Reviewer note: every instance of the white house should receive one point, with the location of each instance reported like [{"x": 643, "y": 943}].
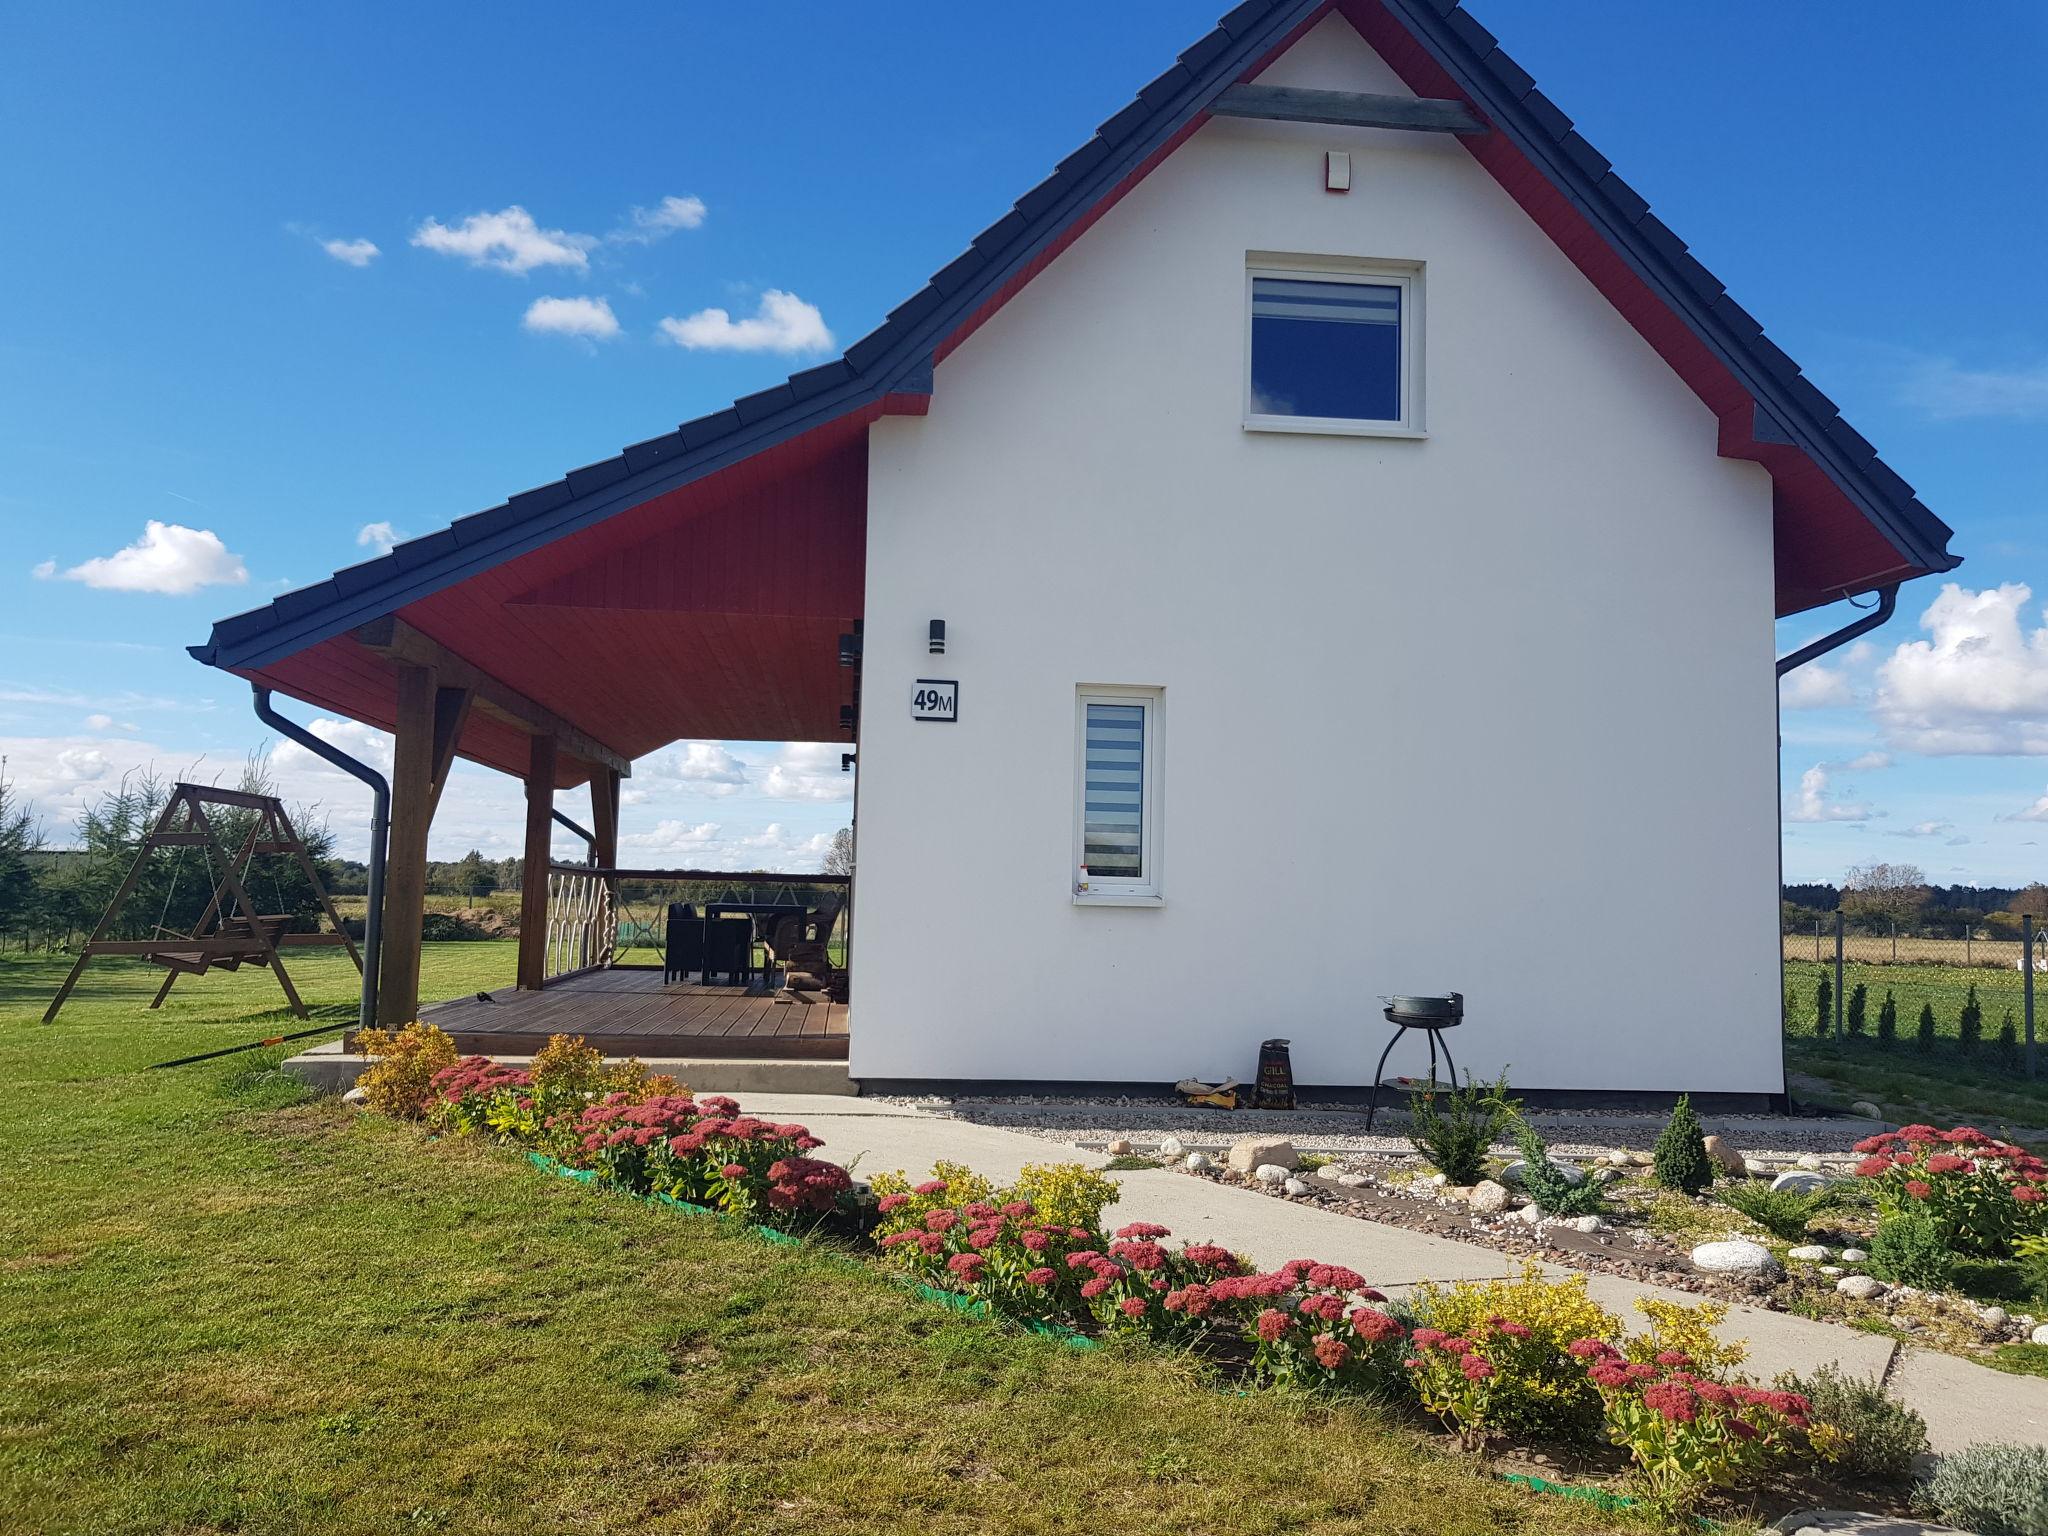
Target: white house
[{"x": 1356, "y": 526}]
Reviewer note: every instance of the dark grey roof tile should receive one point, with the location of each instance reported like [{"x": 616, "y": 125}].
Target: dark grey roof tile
[
  {"x": 1549, "y": 121},
  {"x": 1627, "y": 201}
]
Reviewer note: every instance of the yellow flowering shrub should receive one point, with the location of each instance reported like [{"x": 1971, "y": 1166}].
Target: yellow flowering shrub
[
  {"x": 1065, "y": 1194},
  {"x": 1538, "y": 1386},
  {"x": 951, "y": 1185},
  {"x": 400, "y": 1081},
  {"x": 1690, "y": 1331},
  {"x": 567, "y": 1065}
]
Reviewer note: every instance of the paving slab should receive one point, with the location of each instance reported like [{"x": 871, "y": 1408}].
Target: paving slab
[{"x": 1965, "y": 1403}]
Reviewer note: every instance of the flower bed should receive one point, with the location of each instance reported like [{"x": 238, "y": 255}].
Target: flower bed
[{"x": 1520, "y": 1360}]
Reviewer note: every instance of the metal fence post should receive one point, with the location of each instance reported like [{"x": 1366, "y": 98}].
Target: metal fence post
[
  {"x": 1816, "y": 941},
  {"x": 1895, "y": 941},
  {"x": 1968, "y": 934},
  {"x": 1836, "y": 1035},
  {"x": 2027, "y": 967}
]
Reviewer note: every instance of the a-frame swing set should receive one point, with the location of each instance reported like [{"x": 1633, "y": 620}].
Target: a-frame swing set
[{"x": 231, "y": 931}]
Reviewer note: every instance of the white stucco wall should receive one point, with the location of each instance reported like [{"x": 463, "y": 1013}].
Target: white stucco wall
[{"x": 1492, "y": 711}]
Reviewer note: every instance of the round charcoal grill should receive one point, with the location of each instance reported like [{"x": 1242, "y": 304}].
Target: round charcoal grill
[{"x": 1430, "y": 1014}]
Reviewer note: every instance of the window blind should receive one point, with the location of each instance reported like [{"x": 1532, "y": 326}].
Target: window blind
[{"x": 1113, "y": 792}]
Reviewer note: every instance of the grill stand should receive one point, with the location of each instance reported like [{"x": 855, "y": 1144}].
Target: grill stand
[{"x": 1401, "y": 1027}]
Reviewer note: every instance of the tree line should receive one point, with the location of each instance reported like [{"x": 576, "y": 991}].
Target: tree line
[{"x": 1882, "y": 898}]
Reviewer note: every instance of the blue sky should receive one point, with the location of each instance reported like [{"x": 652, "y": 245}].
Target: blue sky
[{"x": 182, "y": 346}]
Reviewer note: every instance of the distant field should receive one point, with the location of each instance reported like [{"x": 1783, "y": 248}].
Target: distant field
[
  {"x": 1987, "y": 954},
  {"x": 1944, "y": 987}
]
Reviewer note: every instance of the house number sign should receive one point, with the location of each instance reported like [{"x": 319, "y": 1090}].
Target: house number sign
[{"x": 935, "y": 698}]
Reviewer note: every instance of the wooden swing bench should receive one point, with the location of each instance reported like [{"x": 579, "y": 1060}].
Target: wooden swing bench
[{"x": 231, "y": 932}]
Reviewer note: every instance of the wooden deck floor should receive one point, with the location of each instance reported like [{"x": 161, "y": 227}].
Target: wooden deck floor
[{"x": 630, "y": 1013}]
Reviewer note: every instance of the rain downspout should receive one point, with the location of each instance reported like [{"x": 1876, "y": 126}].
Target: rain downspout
[{"x": 380, "y": 829}]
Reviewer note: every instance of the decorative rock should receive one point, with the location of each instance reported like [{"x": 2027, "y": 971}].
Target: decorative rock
[
  {"x": 1353, "y": 1180},
  {"x": 1263, "y": 1152},
  {"x": 1993, "y": 1317},
  {"x": 355, "y": 1096},
  {"x": 1799, "y": 1181},
  {"x": 1172, "y": 1146},
  {"x": 1457, "y": 1191},
  {"x": 1757, "y": 1170},
  {"x": 1735, "y": 1256},
  {"x": 1270, "y": 1173},
  {"x": 1832, "y": 1270},
  {"x": 1118, "y": 1148},
  {"x": 1528, "y": 1213},
  {"x": 2040, "y": 1334},
  {"x": 1855, "y": 1256},
  {"x": 1586, "y": 1224},
  {"x": 1866, "y": 1109},
  {"x": 1617, "y": 1160},
  {"x": 1860, "y": 1287},
  {"x": 1489, "y": 1197},
  {"x": 1810, "y": 1253},
  {"x": 1436, "y": 1181},
  {"x": 1641, "y": 1160},
  {"x": 1200, "y": 1162},
  {"x": 1606, "y": 1175},
  {"x": 1295, "y": 1187},
  {"x": 1723, "y": 1156},
  {"x": 1810, "y": 1160},
  {"x": 1512, "y": 1174},
  {"x": 1849, "y": 1522}
]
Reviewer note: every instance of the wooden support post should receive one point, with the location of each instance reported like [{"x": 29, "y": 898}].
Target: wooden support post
[
  {"x": 604, "y": 817},
  {"x": 533, "y": 879},
  {"x": 405, "y": 870}
]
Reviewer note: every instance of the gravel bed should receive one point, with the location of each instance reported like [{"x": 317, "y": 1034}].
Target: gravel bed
[{"x": 1340, "y": 1128}]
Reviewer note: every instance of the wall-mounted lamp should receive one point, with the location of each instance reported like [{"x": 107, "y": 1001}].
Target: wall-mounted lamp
[
  {"x": 846, "y": 718},
  {"x": 849, "y": 649},
  {"x": 938, "y": 637},
  {"x": 846, "y": 762}
]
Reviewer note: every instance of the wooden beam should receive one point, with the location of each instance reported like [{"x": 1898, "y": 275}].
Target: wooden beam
[
  {"x": 1349, "y": 109},
  {"x": 533, "y": 878},
  {"x": 451, "y": 709},
  {"x": 395, "y": 640},
  {"x": 405, "y": 869},
  {"x": 604, "y": 818}
]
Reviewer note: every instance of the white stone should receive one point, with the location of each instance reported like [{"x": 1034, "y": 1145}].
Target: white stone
[
  {"x": 1755, "y": 1169},
  {"x": 1118, "y": 1148},
  {"x": 1353, "y": 1180},
  {"x": 1860, "y": 1287},
  {"x": 1616, "y": 1160},
  {"x": 1800, "y": 1181},
  {"x": 1262, "y": 1152},
  {"x": 1993, "y": 1317},
  {"x": 1605, "y": 1175},
  {"x": 1735, "y": 1256},
  {"x": 1529, "y": 1213},
  {"x": 1270, "y": 1173},
  {"x": 1866, "y": 1109},
  {"x": 1200, "y": 1162},
  {"x": 1810, "y": 1253},
  {"x": 1641, "y": 1159},
  {"x": 1855, "y": 1256},
  {"x": 355, "y": 1096},
  {"x": 1295, "y": 1187},
  {"x": 2040, "y": 1334},
  {"x": 1586, "y": 1224},
  {"x": 1832, "y": 1270},
  {"x": 1172, "y": 1146},
  {"x": 1809, "y": 1160},
  {"x": 1489, "y": 1197}
]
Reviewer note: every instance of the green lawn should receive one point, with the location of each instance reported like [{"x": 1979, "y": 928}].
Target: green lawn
[{"x": 226, "y": 1307}]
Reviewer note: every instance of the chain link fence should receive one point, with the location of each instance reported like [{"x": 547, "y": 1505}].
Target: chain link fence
[{"x": 1957, "y": 992}]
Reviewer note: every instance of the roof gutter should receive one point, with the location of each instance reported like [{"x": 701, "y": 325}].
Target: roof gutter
[
  {"x": 380, "y": 829},
  {"x": 1887, "y": 604}
]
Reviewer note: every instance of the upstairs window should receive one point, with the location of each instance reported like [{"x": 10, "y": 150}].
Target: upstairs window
[
  {"x": 1333, "y": 351},
  {"x": 1117, "y": 832}
]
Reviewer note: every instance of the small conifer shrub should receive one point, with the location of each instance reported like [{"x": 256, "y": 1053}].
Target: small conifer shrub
[
  {"x": 1888, "y": 1021},
  {"x": 2009, "y": 1043},
  {"x": 1679, "y": 1160},
  {"x": 1823, "y": 1006},
  {"x": 1859, "y": 1001},
  {"x": 1923, "y": 1037},
  {"x": 1970, "y": 1022}
]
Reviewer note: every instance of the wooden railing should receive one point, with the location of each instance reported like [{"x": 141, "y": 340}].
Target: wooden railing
[{"x": 600, "y": 917}]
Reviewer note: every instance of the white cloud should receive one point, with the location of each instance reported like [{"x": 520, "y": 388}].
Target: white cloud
[
  {"x": 1980, "y": 685},
  {"x": 782, "y": 323},
  {"x": 1925, "y": 829},
  {"x": 591, "y": 319},
  {"x": 353, "y": 253},
  {"x": 1947, "y": 391},
  {"x": 508, "y": 240},
  {"x": 381, "y": 537},
  {"x": 1813, "y": 805},
  {"x": 806, "y": 770},
  {"x": 644, "y": 226},
  {"x": 109, "y": 723},
  {"x": 706, "y": 767},
  {"x": 2038, "y": 811},
  {"x": 1869, "y": 762},
  {"x": 352, "y": 736},
  {"x": 168, "y": 558},
  {"x": 1814, "y": 686}
]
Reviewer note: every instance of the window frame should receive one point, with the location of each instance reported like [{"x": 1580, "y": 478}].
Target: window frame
[
  {"x": 1406, "y": 276},
  {"x": 1149, "y": 888}
]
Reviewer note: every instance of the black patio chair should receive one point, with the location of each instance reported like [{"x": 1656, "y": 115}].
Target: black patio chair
[
  {"x": 729, "y": 949},
  {"x": 683, "y": 946}
]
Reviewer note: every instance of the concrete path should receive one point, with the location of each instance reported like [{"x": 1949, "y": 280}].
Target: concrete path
[{"x": 1963, "y": 1402}]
